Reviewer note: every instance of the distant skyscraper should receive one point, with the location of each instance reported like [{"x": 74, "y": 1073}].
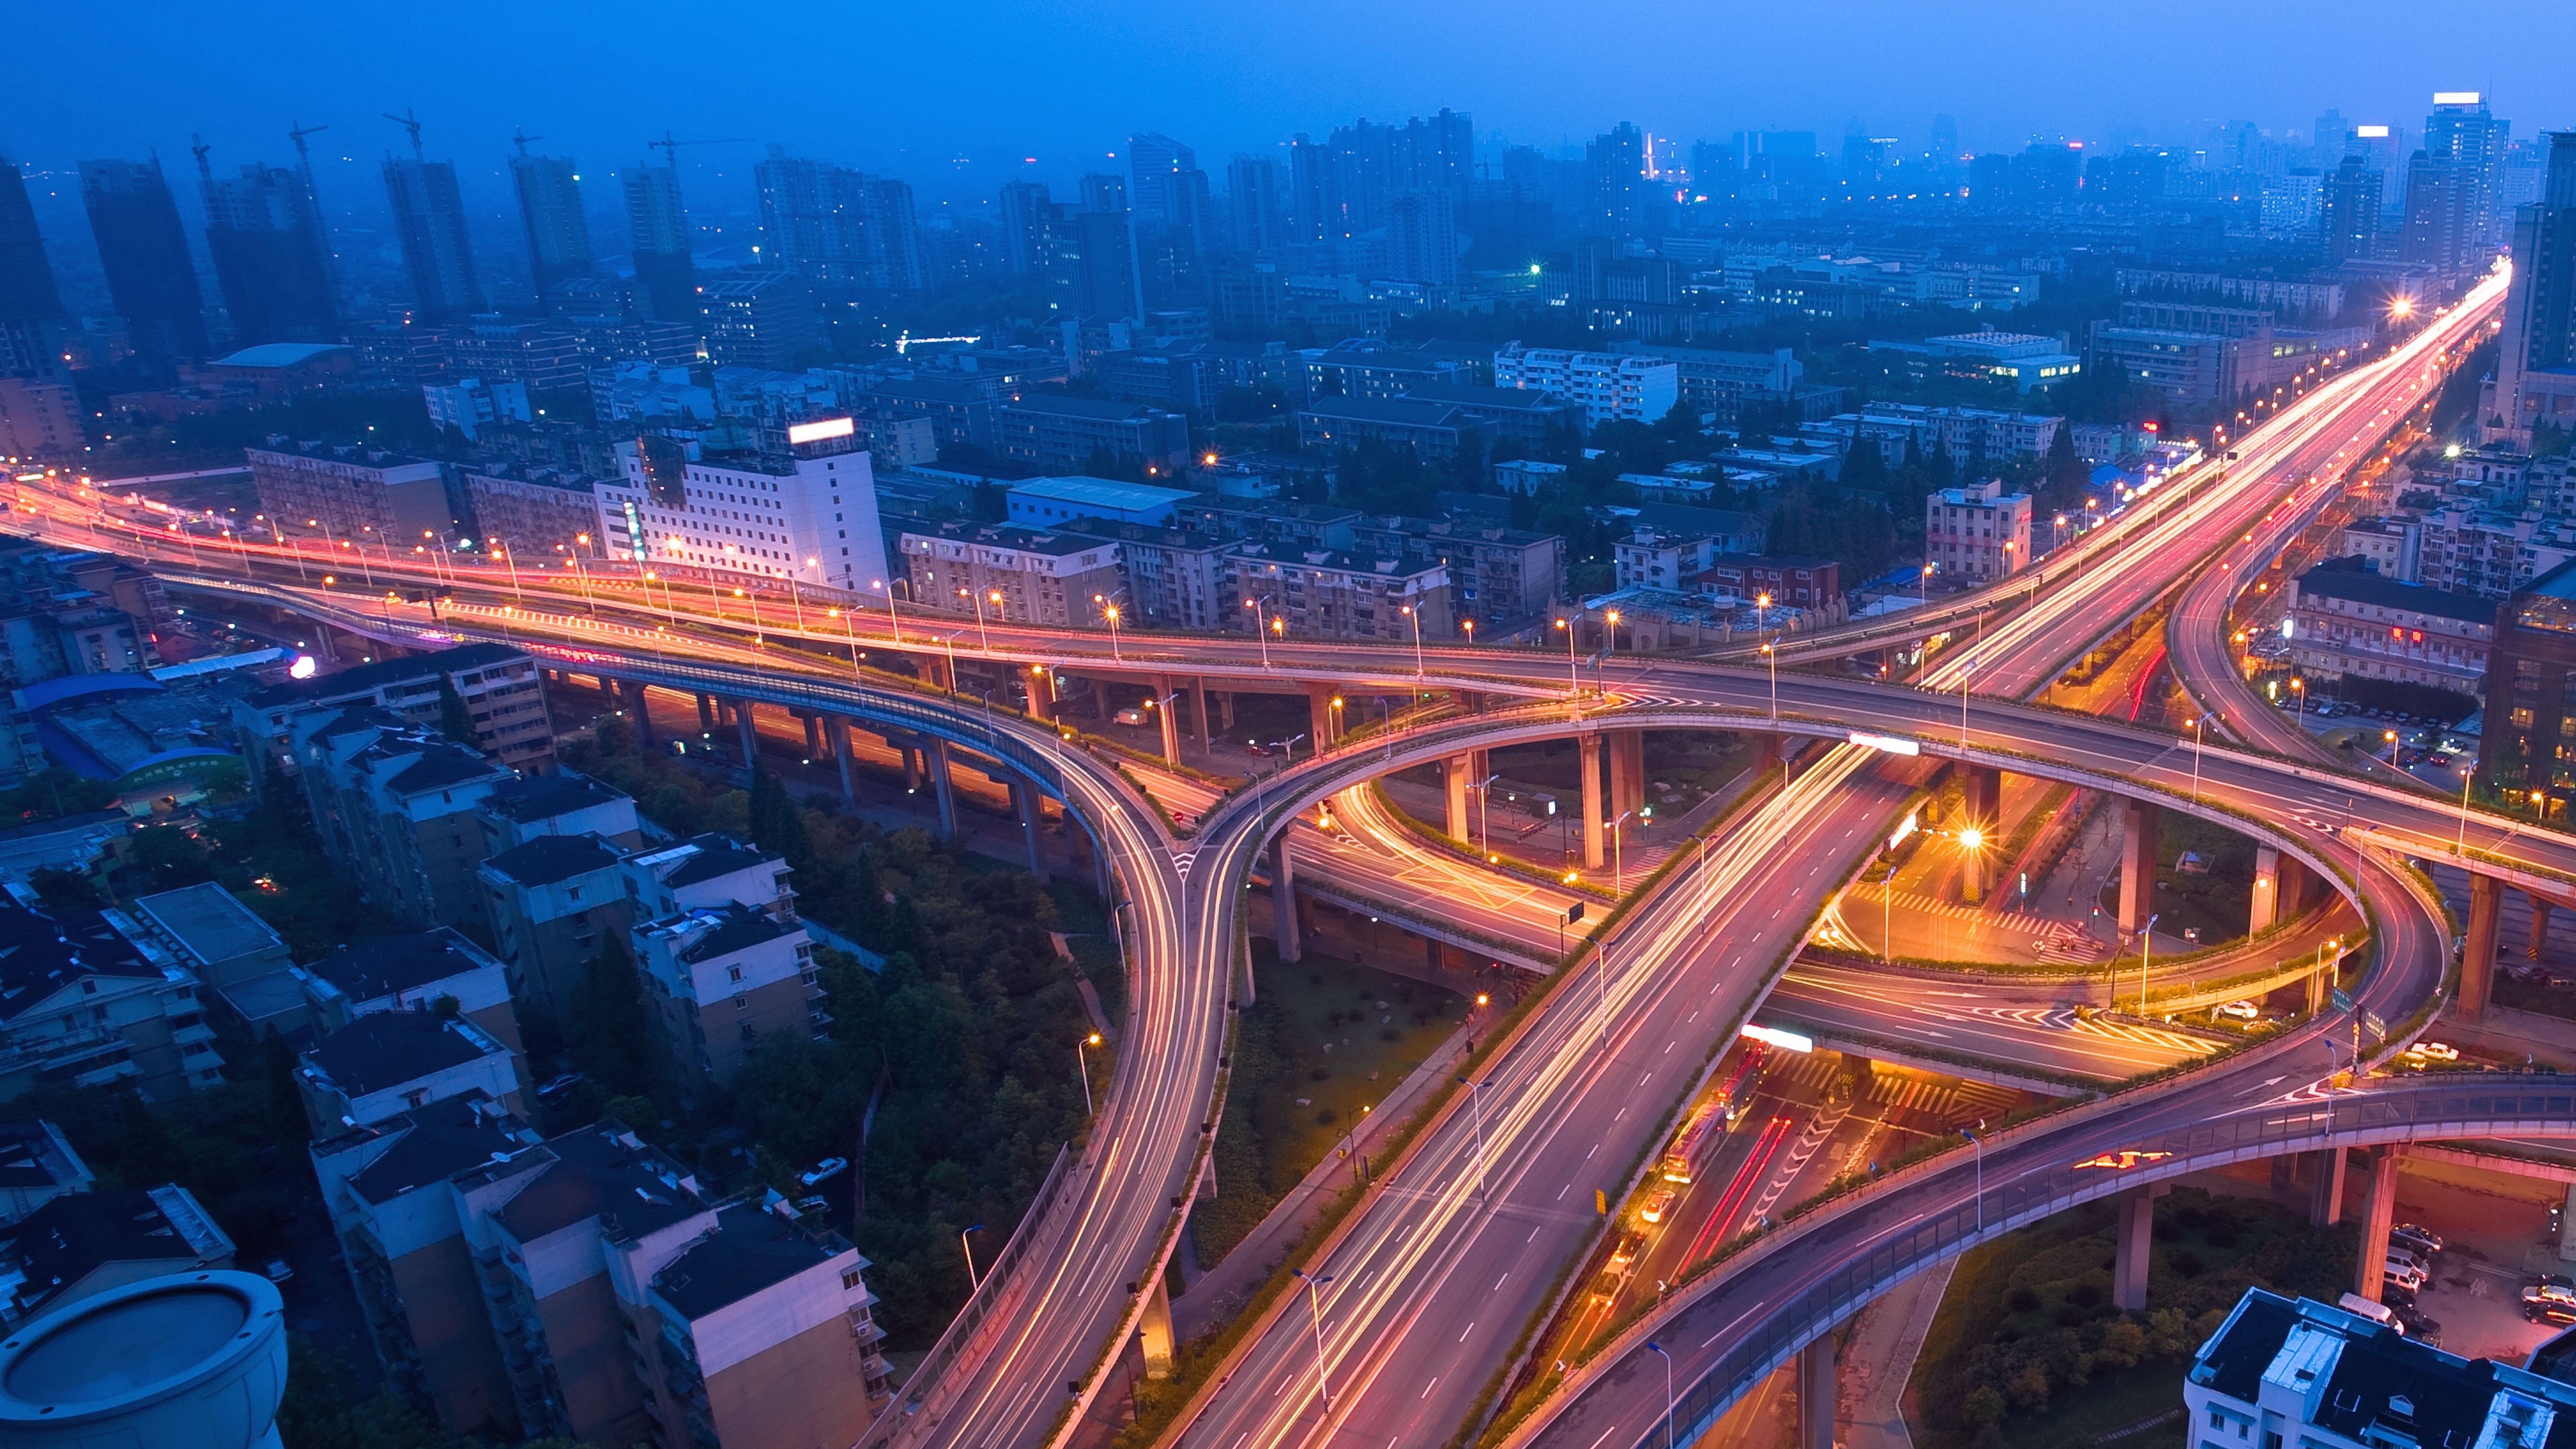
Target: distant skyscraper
[
  {"x": 429, "y": 221},
  {"x": 2536, "y": 364},
  {"x": 1252, "y": 204},
  {"x": 2438, "y": 229},
  {"x": 1944, "y": 147},
  {"x": 264, "y": 232},
  {"x": 2332, "y": 131},
  {"x": 2461, "y": 133},
  {"x": 1027, "y": 210},
  {"x": 664, "y": 272},
  {"x": 1102, "y": 191},
  {"x": 1422, "y": 237},
  {"x": 1092, "y": 266},
  {"x": 550, "y": 214},
  {"x": 830, "y": 224},
  {"x": 145, "y": 255},
  {"x": 31, "y": 310},
  {"x": 2348, "y": 209},
  {"x": 1434, "y": 152},
  {"x": 1154, "y": 166},
  {"x": 1615, "y": 168}
]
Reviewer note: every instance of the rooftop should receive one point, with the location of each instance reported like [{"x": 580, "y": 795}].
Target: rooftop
[
  {"x": 707, "y": 857},
  {"x": 543, "y": 797},
  {"x": 751, "y": 1248},
  {"x": 377, "y": 967},
  {"x": 1410, "y": 412},
  {"x": 550, "y": 859},
  {"x": 1083, "y": 407},
  {"x": 2354, "y": 586},
  {"x": 209, "y": 922},
  {"x": 601, "y": 1171},
  {"x": 388, "y": 1048},
  {"x": 41, "y": 954},
  {"x": 34, "y": 1154},
  {"x": 74, "y": 1236},
  {"x": 1046, "y": 542},
  {"x": 735, "y": 927},
  {"x": 1101, "y": 493},
  {"x": 432, "y": 1143},
  {"x": 366, "y": 679},
  {"x": 278, "y": 354}
]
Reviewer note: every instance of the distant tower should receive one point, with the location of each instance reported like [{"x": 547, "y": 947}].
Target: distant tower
[
  {"x": 2536, "y": 361},
  {"x": 145, "y": 255},
  {"x": 31, "y": 310},
  {"x": 549, "y": 190},
  {"x": 429, "y": 220},
  {"x": 1153, "y": 165},
  {"x": 664, "y": 272},
  {"x": 263, "y": 231},
  {"x": 2348, "y": 209}
]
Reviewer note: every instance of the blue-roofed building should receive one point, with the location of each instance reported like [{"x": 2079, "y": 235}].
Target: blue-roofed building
[{"x": 1052, "y": 502}]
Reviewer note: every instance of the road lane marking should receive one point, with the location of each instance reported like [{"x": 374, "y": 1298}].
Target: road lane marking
[{"x": 1427, "y": 1388}]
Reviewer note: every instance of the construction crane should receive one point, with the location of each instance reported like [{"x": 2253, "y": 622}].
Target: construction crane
[
  {"x": 197, "y": 147},
  {"x": 521, "y": 138},
  {"x": 666, "y": 144},
  {"x": 297, "y": 135},
  {"x": 411, "y": 123}
]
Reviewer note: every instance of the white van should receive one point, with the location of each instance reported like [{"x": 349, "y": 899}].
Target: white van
[{"x": 2375, "y": 1312}]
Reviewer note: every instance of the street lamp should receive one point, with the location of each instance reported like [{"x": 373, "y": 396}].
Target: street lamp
[
  {"x": 1476, "y": 1100},
  {"x": 1658, "y": 1350},
  {"x": 891, "y": 616},
  {"x": 1415, "y": 615},
  {"x": 2468, "y": 777},
  {"x": 1259, "y": 609},
  {"x": 1610, "y": 632},
  {"x": 1573, "y": 674},
  {"x": 1771, "y": 656},
  {"x": 1083, "y": 1063},
  {"x": 1619, "y": 854},
  {"x": 2299, "y": 688},
  {"x": 980, "y": 631},
  {"x": 2146, "y": 939},
  {"x": 1980, "y": 1144},
  {"x": 1109, "y": 611},
  {"x": 2196, "y": 725},
  {"x": 1315, "y": 1311},
  {"x": 973, "y": 1283}
]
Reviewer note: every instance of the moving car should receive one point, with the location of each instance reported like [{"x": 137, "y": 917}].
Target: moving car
[
  {"x": 2236, "y": 1011},
  {"x": 1658, "y": 1203}
]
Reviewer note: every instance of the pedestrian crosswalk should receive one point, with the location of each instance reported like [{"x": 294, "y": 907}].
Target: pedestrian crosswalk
[{"x": 1949, "y": 1101}]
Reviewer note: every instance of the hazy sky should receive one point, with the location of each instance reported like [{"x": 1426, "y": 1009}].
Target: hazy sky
[{"x": 949, "y": 93}]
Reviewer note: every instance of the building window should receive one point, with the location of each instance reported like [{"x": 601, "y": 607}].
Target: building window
[{"x": 849, "y": 1280}]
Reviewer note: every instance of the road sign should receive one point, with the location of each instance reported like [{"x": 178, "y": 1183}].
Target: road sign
[
  {"x": 1574, "y": 913},
  {"x": 2370, "y": 1020},
  {"x": 1601, "y": 1202},
  {"x": 2342, "y": 1000}
]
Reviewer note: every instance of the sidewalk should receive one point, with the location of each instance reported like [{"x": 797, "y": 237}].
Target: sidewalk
[{"x": 1869, "y": 1407}]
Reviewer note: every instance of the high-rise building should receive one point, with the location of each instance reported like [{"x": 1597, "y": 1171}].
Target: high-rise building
[
  {"x": 550, "y": 214},
  {"x": 1252, "y": 204},
  {"x": 1422, "y": 238},
  {"x": 265, "y": 233},
  {"x": 2348, "y": 209},
  {"x": 145, "y": 255},
  {"x": 1027, "y": 211},
  {"x": 1154, "y": 165},
  {"x": 2536, "y": 366},
  {"x": 2438, "y": 230},
  {"x": 31, "y": 310},
  {"x": 664, "y": 271},
  {"x": 833, "y": 225},
  {"x": 1615, "y": 171},
  {"x": 429, "y": 221},
  {"x": 2463, "y": 134},
  {"x": 1093, "y": 268}
]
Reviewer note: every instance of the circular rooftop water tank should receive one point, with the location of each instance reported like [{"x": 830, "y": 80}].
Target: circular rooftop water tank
[{"x": 195, "y": 1360}]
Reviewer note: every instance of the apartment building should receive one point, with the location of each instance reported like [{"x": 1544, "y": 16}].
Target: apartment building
[
  {"x": 1721, "y": 383},
  {"x": 1435, "y": 431},
  {"x": 411, "y": 973},
  {"x": 2529, "y": 734},
  {"x": 396, "y": 806},
  {"x": 2295, "y": 1371},
  {"x": 1040, "y": 575},
  {"x": 2345, "y": 621},
  {"x": 88, "y": 999},
  {"x": 550, "y": 903},
  {"x": 1494, "y": 572},
  {"x": 562, "y": 803},
  {"x": 541, "y": 515},
  {"x": 2389, "y": 547},
  {"x": 1790, "y": 581},
  {"x": 717, "y": 509},
  {"x": 364, "y": 495},
  {"x": 1063, "y": 433},
  {"x": 501, "y": 687},
  {"x": 81, "y": 1245},
  {"x": 707, "y": 871},
  {"x": 387, "y": 1063},
  {"x": 1518, "y": 414},
  {"x": 1978, "y": 532},
  {"x": 211, "y": 933},
  {"x": 1174, "y": 576},
  {"x": 2469, "y": 547},
  {"x": 1371, "y": 370},
  {"x": 1964, "y": 432},
  {"x": 1326, "y": 594},
  {"x": 1607, "y": 386},
  {"x": 37, "y": 1165},
  {"x": 718, "y": 978},
  {"x": 386, "y": 1185}
]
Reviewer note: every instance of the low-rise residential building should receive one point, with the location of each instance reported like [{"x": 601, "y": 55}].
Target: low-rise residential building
[
  {"x": 1044, "y": 431},
  {"x": 1041, "y": 576},
  {"x": 1433, "y": 430},
  {"x": 706, "y": 871},
  {"x": 410, "y": 973},
  {"x": 77, "y": 1247},
  {"x": 1054, "y": 502},
  {"x": 1964, "y": 432},
  {"x": 212, "y": 933},
  {"x": 551, "y": 903},
  {"x": 1719, "y": 384},
  {"x": 88, "y": 999},
  {"x": 1372, "y": 370},
  {"x": 2469, "y": 547},
  {"x": 2388, "y": 547},
  {"x": 545, "y": 516},
  {"x": 562, "y": 803},
  {"x": 1266, "y": 520},
  {"x": 1520, "y": 415},
  {"x": 1174, "y": 576},
  {"x": 1495, "y": 573},
  {"x": 1978, "y": 532},
  {"x": 386, "y": 1063},
  {"x": 501, "y": 688},
  {"x": 37, "y": 1165},
  {"x": 1607, "y": 386},
  {"x": 1727, "y": 530},
  {"x": 365, "y": 495},
  {"x": 718, "y": 978},
  {"x": 1659, "y": 559},
  {"x": 1791, "y": 581},
  {"x": 1527, "y": 475},
  {"x": 2284, "y": 1371},
  {"x": 396, "y": 806},
  {"x": 2345, "y": 621},
  {"x": 1324, "y": 594}
]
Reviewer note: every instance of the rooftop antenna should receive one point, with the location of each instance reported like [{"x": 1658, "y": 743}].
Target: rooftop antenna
[
  {"x": 198, "y": 147},
  {"x": 411, "y": 123},
  {"x": 303, "y": 153},
  {"x": 521, "y": 138}
]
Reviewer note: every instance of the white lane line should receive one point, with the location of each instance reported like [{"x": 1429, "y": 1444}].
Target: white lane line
[
  {"x": 1462, "y": 1338},
  {"x": 1427, "y": 1388}
]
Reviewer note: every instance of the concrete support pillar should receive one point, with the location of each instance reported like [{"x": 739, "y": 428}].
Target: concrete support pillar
[
  {"x": 912, "y": 767},
  {"x": 2137, "y": 1214},
  {"x": 1283, "y": 901},
  {"x": 2325, "y": 1201},
  {"x": 643, "y": 712},
  {"x": 2281, "y": 1166},
  {"x": 1816, "y": 1394},
  {"x": 742, "y": 718},
  {"x": 2298, "y": 886},
  {"x": 2539, "y": 927},
  {"x": 2321, "y": 983},
  {"x": 939, "y": 783},
  {"x": 1154, "y": 1331},
  {"x": 1454, "y": 774},
  {"x": 1030, "y": 807},
  {"x": 813, "y": 736},
  {"x": 1041, "y": 693},
  {"x": 941, "y": 672},
  {"x": 1593, "y": 838},
  {"x": 1320, "y": 712},
  {"x": 2138, "y": 864},
  {"x": 2267, "y": 891},
  {"x": 706, "y": 714},
  {"x": 1627, "y": 770},
  {"x": 2375, "y": 1220},
  {"x": 1225, "y": 709},
  {"x": 1766, "y": 756},
  {"x": 1985, "y": 794},
  {"x": 841, "y": 752},
  {"x": 1199, "y": 708},
  {"x": 2477, "y": 956},
  {"x": 1167, "y": 713}
]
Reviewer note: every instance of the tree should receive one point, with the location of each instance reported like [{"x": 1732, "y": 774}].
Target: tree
[
  {"x": 1864, "y": 465},
  {"x": 453, "y": 720},
  {"x": 777, "y": 821},
  {"x": 612, "y": 1037},
  {"x": 2065, "y": 475}
]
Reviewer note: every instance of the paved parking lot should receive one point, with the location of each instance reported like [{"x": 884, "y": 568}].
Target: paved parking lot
[{"x": 2495, "y": 1242}]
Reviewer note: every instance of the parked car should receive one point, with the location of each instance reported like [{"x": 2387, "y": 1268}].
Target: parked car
[
  {"x": 2245, "y": 1011},
  {"x": 823, "y": 1171},
  {"x": 2399, "y": 1257},
  {"x": 277, "y": 1271},
  {"x": 556, "y": 1088},
  {"x": 2417, "y": 1324},
  {"x": 1658, "y": 1203},
  {"x": 2552, "y": 1312},
  {"x": 2409, "y": 1278},
  {"x": 2423, "y": 1242},
  {"x": 1130, "y": 716},
  {"x": 2549, "y": 1288}
]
